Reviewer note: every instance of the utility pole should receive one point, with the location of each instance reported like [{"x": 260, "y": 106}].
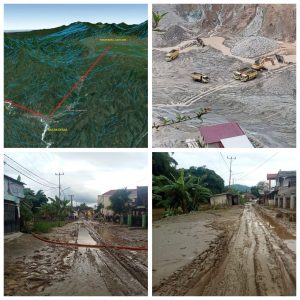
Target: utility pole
[
  {"x": 231, "y": 158},
  {"x": 59, "y": 174},
  {"x": 71, "y": 200}
]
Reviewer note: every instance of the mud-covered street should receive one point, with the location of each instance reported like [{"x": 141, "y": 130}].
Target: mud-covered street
[
  {"x": 247, "y": 257},
  {"x": 33, "y": 267}
]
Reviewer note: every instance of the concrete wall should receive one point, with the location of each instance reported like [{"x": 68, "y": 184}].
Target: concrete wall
[{"x": 219, "y": 200}]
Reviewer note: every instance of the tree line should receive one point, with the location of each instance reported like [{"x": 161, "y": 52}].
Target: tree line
[{"x": 182, "y": 189}]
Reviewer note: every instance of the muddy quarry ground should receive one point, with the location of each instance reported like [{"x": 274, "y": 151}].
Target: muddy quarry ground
[
  {"x": 239, "y": 251},
  {"x": 36, "y": 268},
  {"x": 234, "y": 35}
]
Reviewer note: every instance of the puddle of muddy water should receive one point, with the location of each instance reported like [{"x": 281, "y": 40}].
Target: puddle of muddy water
[
  {"x": 84, "y": 237},
  {"x": 278, "y": 229}
]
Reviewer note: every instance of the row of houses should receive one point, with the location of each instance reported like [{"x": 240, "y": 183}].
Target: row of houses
[
  {"x": 138, "y": 206},
  {"x": 280, "y": 193},
  {"x": 283, "y": 193}
]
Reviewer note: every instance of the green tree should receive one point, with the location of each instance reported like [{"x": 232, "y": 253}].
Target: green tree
[
  {"x": 209, "y": 177},
  {"x": 57, "y": 209},
  {"x": 255, "y": 192},
  {"x": 120, "y": 201},
  {"x": 184, "y": 192},
  {"x": 163, "y": 164},
  {"x": 157, "y": 17}
]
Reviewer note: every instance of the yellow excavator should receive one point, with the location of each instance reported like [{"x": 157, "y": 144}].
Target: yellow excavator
[
  {"x": 259, "y": 64},
  {"x": 172, "y": 55}
]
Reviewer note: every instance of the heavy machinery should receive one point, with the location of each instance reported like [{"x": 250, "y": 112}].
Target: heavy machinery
[
  {"x": 245, "y": 74},
  {"x": 172, "y": 55},
  {"x": 200, "y": 77},
  {"x": 259, "y": 64}
]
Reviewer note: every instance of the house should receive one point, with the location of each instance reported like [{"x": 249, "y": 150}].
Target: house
[
  {"x": 283, "y": 195},
  {"x": 224, "y": 199},
  {"x": 248, "y": 196},
  {"x": 227, "y": 135},
  {"x": 13, "y": 194},
  {"x": 104, "y": 199},
  {"x": 139, "y": 210}
]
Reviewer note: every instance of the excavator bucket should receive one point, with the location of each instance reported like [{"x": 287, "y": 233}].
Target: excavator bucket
[{"x": 279, "y": 58}]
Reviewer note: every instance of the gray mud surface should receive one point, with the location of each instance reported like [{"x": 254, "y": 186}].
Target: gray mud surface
[
  {"x": 248, "y": 258},
  {"x": 43, "y": 269}
]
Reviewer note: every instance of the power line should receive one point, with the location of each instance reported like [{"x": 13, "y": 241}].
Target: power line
[
  {"x": 231, "y": 158},
  {"x": 259, "y": 166},
  {"x": 48, "y": 182},
  {"x": 59, "y": 174},
  {"x": 224, "y": 161},
  {"x": 27, "y": 175}
]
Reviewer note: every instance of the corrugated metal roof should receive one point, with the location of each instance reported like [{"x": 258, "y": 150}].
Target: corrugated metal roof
[{"x": 214, "y": 133}]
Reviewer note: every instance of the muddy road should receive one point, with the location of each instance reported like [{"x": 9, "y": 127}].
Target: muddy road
[
  {"x": 53, "y": 270},
  {"x": 264, "y": 107},
  {"x": 247, "y": 259}
]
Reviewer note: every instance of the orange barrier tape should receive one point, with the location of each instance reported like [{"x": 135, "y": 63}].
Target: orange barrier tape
[{"x": 91, "y": 246}]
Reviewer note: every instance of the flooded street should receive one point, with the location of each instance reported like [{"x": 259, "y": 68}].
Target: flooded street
[
  {"x": 55, "y": 270},
  {"x": 248, "y": 258}
]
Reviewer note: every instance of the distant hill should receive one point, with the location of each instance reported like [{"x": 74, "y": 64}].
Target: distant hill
[
  {"x": 241, "y": 188},
  {"x": 106, "y": 109}
]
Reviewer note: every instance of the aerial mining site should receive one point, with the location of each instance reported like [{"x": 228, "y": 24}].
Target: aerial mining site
[{"x": 224, "y": 75}]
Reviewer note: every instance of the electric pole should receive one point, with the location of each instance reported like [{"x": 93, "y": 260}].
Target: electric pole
[
  {"x": 71, "y": 200},
  {"x": 59, "y": 174},
  {"x": 231, "y": 158}
]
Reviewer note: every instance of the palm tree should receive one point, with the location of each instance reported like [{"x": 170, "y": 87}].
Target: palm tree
[
  {"x": 157, "y": 18},
  {"x": 185, "y": 192}
]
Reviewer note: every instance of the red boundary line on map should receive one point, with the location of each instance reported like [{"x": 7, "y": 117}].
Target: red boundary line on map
[{"x": 67, "y": 95}]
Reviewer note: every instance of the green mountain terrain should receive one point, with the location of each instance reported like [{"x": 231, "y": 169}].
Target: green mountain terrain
[{"x": 107, "y": 109}]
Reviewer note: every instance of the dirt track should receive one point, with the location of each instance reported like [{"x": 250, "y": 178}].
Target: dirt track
[
  {"x": 53, "y": 270},
  {"x": 264, "y": 107},
  {"x": 247, "y": 259}
]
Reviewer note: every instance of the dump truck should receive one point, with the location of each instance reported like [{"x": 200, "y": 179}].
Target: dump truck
[
  {"x": 245, "y": 74},
  {"x": 172, "y": 55},
  {"x": 200, "y": 77}
]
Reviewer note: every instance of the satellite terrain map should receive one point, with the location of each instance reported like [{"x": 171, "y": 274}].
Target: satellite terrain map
[{"x": 78, "y": 85}]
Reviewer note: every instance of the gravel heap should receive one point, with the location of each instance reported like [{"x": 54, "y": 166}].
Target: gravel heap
[
  {"x": 254, "y": 46},
  {"x": 173, "y": 36}
]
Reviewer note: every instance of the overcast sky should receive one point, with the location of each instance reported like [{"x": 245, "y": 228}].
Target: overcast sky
[
  {"x": 41, "y": 16},
  {"x": 87, "y": 174},
  {"x": 248, "y": 168}
]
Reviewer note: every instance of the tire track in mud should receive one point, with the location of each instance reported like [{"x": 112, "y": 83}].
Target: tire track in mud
[
  {"x": 127, "y": 269},
  {"x": 246, "y": 260},
  {"x": 188, "y": 101}
]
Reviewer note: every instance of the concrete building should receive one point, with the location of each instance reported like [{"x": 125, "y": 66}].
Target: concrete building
[
  {"x": 13, "y": 194},
  {"x": 224, "y": 199},
  {"x": 139, "y": 210},
  {"x": 283, "y": 195},
  {"x": 227, "y": 135},
  {"x": 104, "y": 199}
]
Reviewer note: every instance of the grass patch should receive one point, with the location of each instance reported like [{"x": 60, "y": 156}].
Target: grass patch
[{"x": 46, "y": 226}]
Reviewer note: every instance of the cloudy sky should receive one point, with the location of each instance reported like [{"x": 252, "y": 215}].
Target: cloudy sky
[
  {"x": 40, "y": 16},
  {"x": 86, "y": 175},
  {"x": 248, "y": 168}
]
